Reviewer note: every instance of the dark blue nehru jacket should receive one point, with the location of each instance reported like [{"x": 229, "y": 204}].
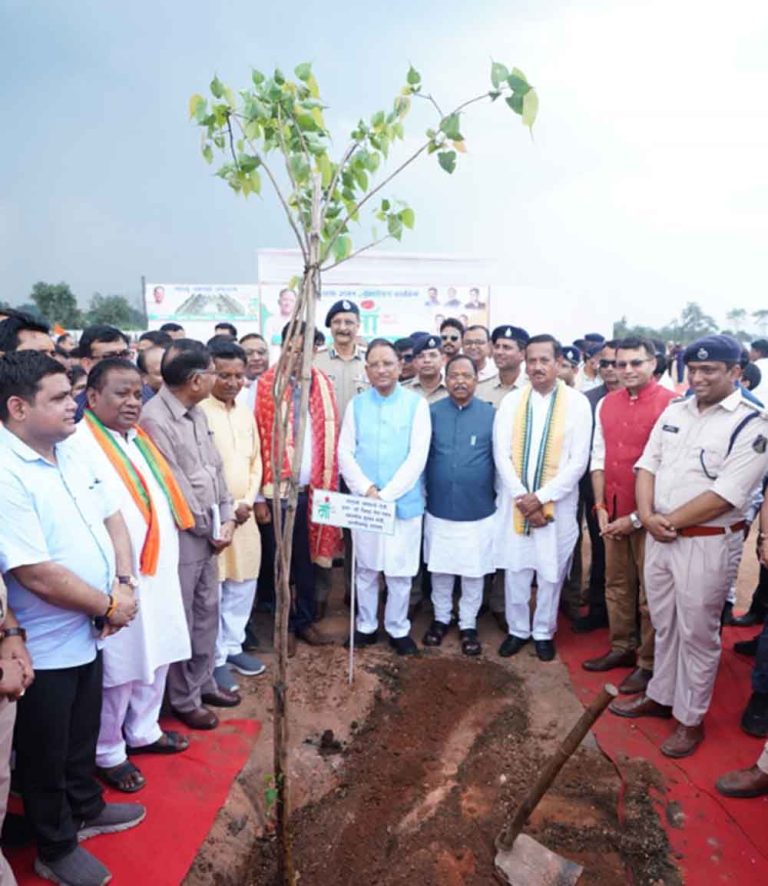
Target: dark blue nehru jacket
[{"x": 460, "y": 469}]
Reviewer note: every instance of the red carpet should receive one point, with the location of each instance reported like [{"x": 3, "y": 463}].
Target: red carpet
[
  {"x": 182, "y": 796},
  {"x": 718, "y": 840}
]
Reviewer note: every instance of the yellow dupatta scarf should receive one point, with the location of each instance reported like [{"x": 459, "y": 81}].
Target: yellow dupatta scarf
[{"x": 547, "y": 459}]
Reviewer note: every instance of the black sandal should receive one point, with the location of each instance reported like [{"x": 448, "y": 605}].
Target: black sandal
[
  {"x": 115, "y": 777},
  {"x": 470, "y": 645},
  {"x": 170, "y": 742},
  {"x": 434, "y": 636}
]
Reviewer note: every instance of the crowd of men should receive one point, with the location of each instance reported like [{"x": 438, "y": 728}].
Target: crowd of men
[{"x": 137, "y": 487}]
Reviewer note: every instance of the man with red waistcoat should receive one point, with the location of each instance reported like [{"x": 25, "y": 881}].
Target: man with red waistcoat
[{"x": 623, "y": 422}]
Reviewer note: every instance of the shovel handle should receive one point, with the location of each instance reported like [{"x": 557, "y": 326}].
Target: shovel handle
[{"x": 555, "y": 763}]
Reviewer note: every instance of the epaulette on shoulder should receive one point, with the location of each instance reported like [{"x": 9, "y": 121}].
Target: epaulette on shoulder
[
  {"x": 681, "y": 399},
  {"x": 751, "y": 405}
]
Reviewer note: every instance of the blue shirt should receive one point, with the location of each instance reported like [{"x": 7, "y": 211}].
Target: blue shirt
[
  {"x": 460, "y": 469},
  {"x": 53, "y": 513}
]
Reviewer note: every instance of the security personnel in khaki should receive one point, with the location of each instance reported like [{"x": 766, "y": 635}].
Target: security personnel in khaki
[
  {"x": 705, "y": 456},
  {"x": 343, "y": 362},
  {"x": 509, "y": 356},
  {"x": 428, "y": 363}
]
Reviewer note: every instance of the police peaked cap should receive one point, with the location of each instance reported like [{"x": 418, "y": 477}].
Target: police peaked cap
[
  {"x": 572, "y": 354},
  {"x": 594, "y": 350},
  {"x": 426, "y": 343},
  {"x": 515, "y": 333},
  {"x": 340, "y": 307},
  {"x": 720, "y": 348},
  {"x": 595, "y": 337}
]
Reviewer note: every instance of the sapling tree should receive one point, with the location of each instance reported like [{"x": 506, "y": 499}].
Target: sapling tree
[{"x": 274, "y": 132}]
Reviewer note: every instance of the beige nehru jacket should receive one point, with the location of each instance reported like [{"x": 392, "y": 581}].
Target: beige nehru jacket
[
  {"x": 688, "y": 452},
  {"x": 348, "y": 377}
]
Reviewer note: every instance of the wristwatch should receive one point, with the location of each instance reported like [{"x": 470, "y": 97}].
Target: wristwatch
[
  {"x": 127, "y": 580},
  {"x": 635, "y": 520},
  {"x": 14, "y": 632}
]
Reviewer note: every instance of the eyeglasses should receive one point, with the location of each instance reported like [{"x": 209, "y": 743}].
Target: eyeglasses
[
  {"x": 474, "y": 343},
  {"x": 604, "y": 364},
  {"x": 407, "y": 358},
  {"x": 123, "y": 354},
  {"x": 450, "y": 337},
  {"x": 635, "y": 364}
]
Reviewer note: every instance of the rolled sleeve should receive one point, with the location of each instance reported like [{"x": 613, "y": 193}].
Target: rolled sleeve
[
  {"x": 22, "y": 541},
  {"x": 650, "y": 460}
]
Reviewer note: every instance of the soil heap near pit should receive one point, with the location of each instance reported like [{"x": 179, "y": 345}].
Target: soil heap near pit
[{"x": 428, "y": 781}]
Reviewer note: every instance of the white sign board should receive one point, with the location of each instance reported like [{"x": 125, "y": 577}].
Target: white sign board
[{"x": 353, "y": 512}]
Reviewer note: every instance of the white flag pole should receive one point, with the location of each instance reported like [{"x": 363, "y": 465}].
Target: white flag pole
[{"x": 352, "y": 590}]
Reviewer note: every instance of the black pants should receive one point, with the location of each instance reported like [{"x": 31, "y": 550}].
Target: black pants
[
  {"x": 596, "y": 589},
  {"x": 302, "y": 568},
  {"x": 57, "y": 725}
]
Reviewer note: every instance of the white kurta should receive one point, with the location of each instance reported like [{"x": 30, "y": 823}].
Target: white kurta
[
  {"x": 459, "y": 547},
  {"x": 159, "y": 634},
  {"x": 548, "y": 549},
  {"x": 398, "y": 554}
]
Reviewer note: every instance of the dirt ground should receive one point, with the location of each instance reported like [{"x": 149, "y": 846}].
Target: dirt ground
[{"x": 406, "y": 776}]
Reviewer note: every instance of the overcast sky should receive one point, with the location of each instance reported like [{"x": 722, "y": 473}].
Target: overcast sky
[{"x": 646, "y": 184}]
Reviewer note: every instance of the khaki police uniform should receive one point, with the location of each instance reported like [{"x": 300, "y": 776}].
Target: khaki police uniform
[
  {"x": 722, "y": 450},
  {"x": 493, "y": 391},
  {"x": 439, "y": 393},
  {"x": 348, "y": 377}
]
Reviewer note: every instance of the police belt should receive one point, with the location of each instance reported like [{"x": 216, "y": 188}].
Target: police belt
[{"x": 696, "y": 531}]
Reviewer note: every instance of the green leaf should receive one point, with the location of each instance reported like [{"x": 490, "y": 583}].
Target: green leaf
[
  {"x": 217, "y": 87},
  {"x": 515, "y": 102},
  {"x": 342, "y": 247},
  {"x": 414, "y": 77},
  {"x": 208, "y": 153},
  {"x": 361, "y": 177},
  {"x": 196, "y": 103},
  {"x": 303, "y": 71},
  {"x": 325, "y": 168},
  {"x": 385, "y": 205},
  {"x": 248, "y": 162},
  {"x": 378, "y": 119},
  {"x": 447, "y": 160},
  {"x": 499, "y": 74},
  {"x": 257, "y": 77},
  {"x": 279, "y": 77},
  {"x": 450, "y": 126},
  {"x": 299, "y": 168},
  {"x": 255, "y": 180},
  {"x": 518, "y": 85},
  {"x": 408, "y": 217},
  {"x": 395, "y": 226},
  {"x": 530, "y": 108},
  {"x": 252, "y": 129}
]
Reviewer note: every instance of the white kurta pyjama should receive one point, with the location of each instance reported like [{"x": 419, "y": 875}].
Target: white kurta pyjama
[
  {"x": 159, "y": 634},
  {"x": 459, "y": 547},
  {"x": 547, "y": 550},
  {"x": 398, "y": 554}
]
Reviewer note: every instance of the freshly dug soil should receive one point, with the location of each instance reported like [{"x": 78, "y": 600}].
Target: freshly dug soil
[{"x": 427, "y": 781}]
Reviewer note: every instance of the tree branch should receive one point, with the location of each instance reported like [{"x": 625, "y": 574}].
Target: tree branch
[
  {"x": 356, "y": 252},
  {"x": 276, "y": 186},
  {"x": 430, "y": 98}
]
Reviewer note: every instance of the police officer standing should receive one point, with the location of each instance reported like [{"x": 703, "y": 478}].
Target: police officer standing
[{"x": 705, "y": 456}]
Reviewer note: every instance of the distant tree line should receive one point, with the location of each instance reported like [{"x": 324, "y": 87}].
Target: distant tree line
[
  {"x": 58, "y": 304},
  {"x": 693, "y": 323}
]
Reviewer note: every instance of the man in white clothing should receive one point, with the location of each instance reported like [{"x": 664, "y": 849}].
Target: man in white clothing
[
  {"x": 135, "y": 661},
  {"x": 541, "y": 448},
  {"x": 383, "y": 449}
]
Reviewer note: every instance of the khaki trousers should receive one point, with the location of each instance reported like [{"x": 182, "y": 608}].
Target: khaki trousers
[
  {"x": 7, "y": 719},
  {"x": 625, "y": 595},
  {"x": 687, "y": 583}
]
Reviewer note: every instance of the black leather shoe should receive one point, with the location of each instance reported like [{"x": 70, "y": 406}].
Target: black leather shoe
[
  {"x": 586, "y": 623},
  {"x": 363, "y": 639},
  {"x": 512, "y": 645},
  {"x": 545, "y": 649},
  {"x": 754, "y": 720},
  {"x": 221, "y": 698},
  {"x": 747, "y": 647},
  {"x": 749, "y": 619},
  {"x": 404, "y": 645}
]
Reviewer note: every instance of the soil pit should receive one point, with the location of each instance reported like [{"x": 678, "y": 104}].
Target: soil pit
[{"x": 424, "y": 786}]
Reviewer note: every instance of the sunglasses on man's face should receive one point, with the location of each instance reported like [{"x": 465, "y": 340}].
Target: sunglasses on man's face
[
  {"x": 604, "y": 364},
  {"x": 450, "y": 337},
  {"x": 635, "y": 364}
]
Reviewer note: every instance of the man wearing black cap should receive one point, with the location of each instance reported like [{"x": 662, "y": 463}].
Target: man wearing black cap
[
  {"x": 343, "y": 362},
  {"x": 569, "y": 365},
  {"x": 428, "y": 363},
  {"x": 590, "y": 346},
  {"x": 509, "y": 356},
  {"x": 705, "y": 456}
]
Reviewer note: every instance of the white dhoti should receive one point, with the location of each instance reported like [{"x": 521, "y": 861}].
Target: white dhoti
[
  {"x": 129, "y": 715},
  {"x": 463, "y": 548},
  {"x": 235, "y": 604}
]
